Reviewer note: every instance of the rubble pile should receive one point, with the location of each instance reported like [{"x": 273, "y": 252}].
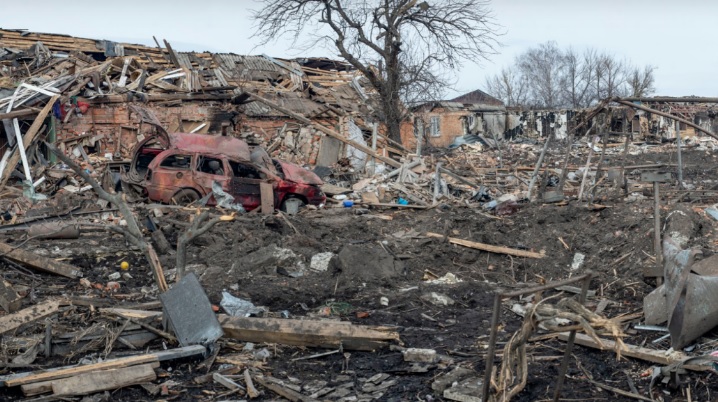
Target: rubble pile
[{"x": 465, "y": 273}]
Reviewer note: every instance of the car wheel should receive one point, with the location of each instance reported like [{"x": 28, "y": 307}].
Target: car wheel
[
  {"x": 185, "y": 197},
  {"x": 292, "y": 200}
]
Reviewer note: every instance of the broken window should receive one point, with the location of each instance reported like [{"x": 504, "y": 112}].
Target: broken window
[
  {"x": 434, "y": 128},
  {"x": 244, "y": 171},
  {"x": 177, "y": 161},
  {"x": 636, "y": 125},
  {"x": 210, "y": 166}
]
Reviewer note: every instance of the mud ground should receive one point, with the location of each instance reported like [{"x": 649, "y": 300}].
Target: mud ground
[{"x": 381, "y": 258}]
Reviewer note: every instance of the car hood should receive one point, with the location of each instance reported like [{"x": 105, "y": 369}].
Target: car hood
[{"x": 298, "y": 174}]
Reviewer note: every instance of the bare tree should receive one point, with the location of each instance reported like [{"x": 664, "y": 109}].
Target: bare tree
[
  {"x": 565, "y": 78},
  {"x": 577, "y": 78},
  {"x": 613, "y": 76},
  {"x": 510, "y": 86},
  {"x": 542, "y": 67},
  {"x": 641, "y": 82},
  {"x": 375, "y": 36}
]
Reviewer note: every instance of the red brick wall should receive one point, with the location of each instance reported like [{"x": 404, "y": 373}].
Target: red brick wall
[{"x": 451, "y": 126}]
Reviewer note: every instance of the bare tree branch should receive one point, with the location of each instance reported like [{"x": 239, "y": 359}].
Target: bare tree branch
[
  {"x": 403, "y": 47},
  {"x": 133, "y": 234}
]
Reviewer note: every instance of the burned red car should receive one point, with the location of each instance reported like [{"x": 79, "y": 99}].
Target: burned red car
[{"x": 180, "y": 168}]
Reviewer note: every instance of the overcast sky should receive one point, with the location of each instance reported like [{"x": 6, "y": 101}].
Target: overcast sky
[{"x": 677, "y": 37}]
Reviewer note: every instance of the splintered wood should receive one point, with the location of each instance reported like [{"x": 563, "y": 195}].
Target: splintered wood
[
  {"x": 39, "y": 262},
  {"x": 490, "y": 248},
  {"x": 13, "y": 321},
  {"x": 326, "y": 334}
]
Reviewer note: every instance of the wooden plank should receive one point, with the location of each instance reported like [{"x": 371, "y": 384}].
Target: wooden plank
[
  {"x": 13, "y": 380},
  {"x": 46, "y": 386},
  {"x": 313, "y": 333},
  {"x": 105, "y": 380},
  {"x": 37, "y": 388},
  {"x": 409, "y": 194},
  {"x": 11, "y": 322},
  {"x": 130, "y": 313},
  {"x": 27, "y": 140},
  {"x": 491, "y": 248},
  {"x": 267, "y": 194},
  {"x": 283, "y": 391},
  {"x": 19, "y": 113},
  {"x": 637, "y": 352},
  {"x": 39, "y": 262}
]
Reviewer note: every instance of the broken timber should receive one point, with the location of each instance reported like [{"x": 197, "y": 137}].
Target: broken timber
[
  {"x": 637, "y": 352},
  {"x": 97, "y": 381},
  {"x": 13, "y": 380},
  {"x": 39, "y": 262},
  {"x": 490, "y": 248},
  {"x": 36, "y": 312},
  {"x": 325, "y": 334}
]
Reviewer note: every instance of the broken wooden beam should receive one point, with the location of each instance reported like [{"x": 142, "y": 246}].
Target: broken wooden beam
[
  {"x": 311, "y": 333},
  {"x": 490, "y": 248},
  {"x": 19, "y": 113},
  {"x": 104, "y": 380},
  {"x": 637, "y": 352},
  {"x": 96, "y": 381},
  {"x": 289, "y": 394},
  {"x": 11, "y": 322},
  {"x": 13, "y": 380},
  {"x": 39, "y": 262}
]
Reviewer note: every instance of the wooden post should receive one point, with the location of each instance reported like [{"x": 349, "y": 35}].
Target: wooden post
[
  {"x": 678, "y": 154},
  {"x": 437, "y": 183},
  {"x": 539, "y": 162},
  {"x": 657, "y": 230},
  {"x": 374, "y": 129}
]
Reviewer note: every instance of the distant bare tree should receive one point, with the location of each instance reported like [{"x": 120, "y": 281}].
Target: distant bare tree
[
  {"x": 565, "y": 78},
  {"x": 641, "y": 82},
  {"x": 577, "y": 78},
  {"x": 510, "y": 86},
  {"x": 542, "y": 68},
  {"x": 612, "y": 77},
  {"x": 375, "y": 37}
]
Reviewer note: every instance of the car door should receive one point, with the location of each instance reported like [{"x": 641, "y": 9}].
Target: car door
[
  {"x": 210, "y": 168},
  {"x": 244, "y": 185},
  {"x": 172, "y": 173}
]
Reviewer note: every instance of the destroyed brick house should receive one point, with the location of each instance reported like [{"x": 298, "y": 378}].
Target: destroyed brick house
[
  {"x": 479, "y": 117},
  {"x": 441, "y": 123},
  {"x": 197, "y": 92}
]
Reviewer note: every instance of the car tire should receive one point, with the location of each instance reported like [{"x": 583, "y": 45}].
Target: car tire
[
  {"x": 283, "y": 207},
  {"x": 185, "y": 197}
]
